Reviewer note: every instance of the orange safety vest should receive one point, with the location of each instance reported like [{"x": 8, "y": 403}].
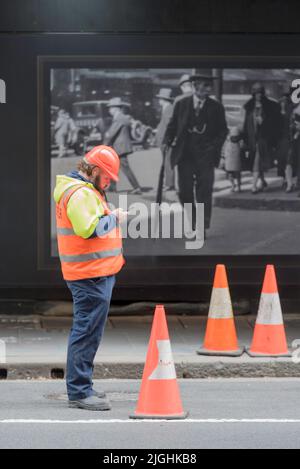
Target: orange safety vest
[{"x": 86, "y": 258}]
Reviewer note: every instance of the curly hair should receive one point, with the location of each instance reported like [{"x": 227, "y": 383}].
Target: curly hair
[{"x": 86, "y": 168}]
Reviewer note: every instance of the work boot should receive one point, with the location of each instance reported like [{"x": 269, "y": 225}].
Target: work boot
[{"x": 90, "y": 403}]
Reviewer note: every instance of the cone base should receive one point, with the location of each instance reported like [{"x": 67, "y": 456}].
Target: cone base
[
  {"x": 221, "y": 353},
  {"x": 262, "y": 354},
  {"x": 182, "y": 416}
]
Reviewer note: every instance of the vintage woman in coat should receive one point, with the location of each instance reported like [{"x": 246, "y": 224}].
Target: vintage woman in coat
[{"x": 262, "y": 131}]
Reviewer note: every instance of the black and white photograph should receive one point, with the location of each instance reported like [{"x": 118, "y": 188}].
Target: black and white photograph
[{"x": 226, "y": 138}]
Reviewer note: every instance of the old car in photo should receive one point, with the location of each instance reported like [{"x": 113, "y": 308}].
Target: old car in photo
[{"x": 92, "y": 120}]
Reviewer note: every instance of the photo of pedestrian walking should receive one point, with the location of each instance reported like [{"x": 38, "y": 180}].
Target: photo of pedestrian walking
[
  {"x": 118, "y": 136},
  {"x": 294, "y": 153},
  {"x": 185, "y": 85},
  {"x": 232, "y": 156},
  {"x": 196, "y": 133},
  {"x": 64, "y": 132},
  {"x": 262, "y": 130},
  {"x": 285, "y": 167}
]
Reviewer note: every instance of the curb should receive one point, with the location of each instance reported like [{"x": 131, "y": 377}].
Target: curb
[
  {"x": 24, "y": 311},
  {"x": 245, "y": 203},
  {"x": 219, "y": 369}
]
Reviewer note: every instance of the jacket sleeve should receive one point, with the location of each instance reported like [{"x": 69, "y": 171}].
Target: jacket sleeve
[
  {"x": 84, "y": 212},
  {"x": 105, "y": 224}
]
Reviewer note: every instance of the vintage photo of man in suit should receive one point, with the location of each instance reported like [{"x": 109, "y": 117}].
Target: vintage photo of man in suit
[
  {"x": 118, "y": 137},
  {"x": 196, "y": 133}
]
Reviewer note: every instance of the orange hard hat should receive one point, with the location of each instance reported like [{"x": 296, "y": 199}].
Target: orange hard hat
[{"x": 105, "y": 158}]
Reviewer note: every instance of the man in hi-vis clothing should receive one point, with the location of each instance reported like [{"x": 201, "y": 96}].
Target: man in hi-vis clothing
[{"x": 90, "y": 251}]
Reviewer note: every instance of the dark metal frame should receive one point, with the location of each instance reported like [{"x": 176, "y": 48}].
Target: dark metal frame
[{"x": 137, "y": 263}]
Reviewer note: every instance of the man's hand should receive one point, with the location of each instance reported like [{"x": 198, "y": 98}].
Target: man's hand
[{"x": 120, "y": 214}]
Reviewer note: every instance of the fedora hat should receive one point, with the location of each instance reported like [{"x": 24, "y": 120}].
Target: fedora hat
[
  {"x": 184, "y": 79},
  {"x": 117, "y": 102},
  {"x": 202, "y": 74},
  {"x": 165, "y": 93}
]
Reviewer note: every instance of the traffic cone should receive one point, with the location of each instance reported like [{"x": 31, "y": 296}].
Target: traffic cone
[
  {"x": 159, "y": 394},
  {"x": 269, "y": 334},
  {"x": 220, "y": 338}
]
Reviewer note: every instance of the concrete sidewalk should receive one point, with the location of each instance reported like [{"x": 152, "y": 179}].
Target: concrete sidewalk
[
  {"x": 36, "y": 348},
  {"x": 274, "y": 198}
]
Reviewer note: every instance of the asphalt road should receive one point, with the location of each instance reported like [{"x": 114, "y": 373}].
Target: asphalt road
[{"x": 257, "y": 413}]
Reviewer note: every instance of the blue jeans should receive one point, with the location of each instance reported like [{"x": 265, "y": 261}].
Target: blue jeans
[{"x": 91, "y": 301}]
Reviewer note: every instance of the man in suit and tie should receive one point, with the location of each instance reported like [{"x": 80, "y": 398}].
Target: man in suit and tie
[{"x": 196, "y": 134}]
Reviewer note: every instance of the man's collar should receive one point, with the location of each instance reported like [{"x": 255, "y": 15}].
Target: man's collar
[
  {"x": 197, "y": 100},
  {"x": 77, "y": 175}
]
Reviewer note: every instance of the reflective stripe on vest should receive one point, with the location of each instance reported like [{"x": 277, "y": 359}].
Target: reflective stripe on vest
[
  {"x": 86, "y": 258},
  {"x": 65, "y": 231},
  {"x": 91, "y": 256}
]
